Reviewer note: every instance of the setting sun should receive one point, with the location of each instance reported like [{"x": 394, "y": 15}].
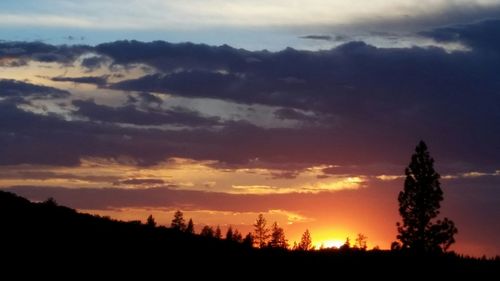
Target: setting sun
[{"x": 333, "y": 243}]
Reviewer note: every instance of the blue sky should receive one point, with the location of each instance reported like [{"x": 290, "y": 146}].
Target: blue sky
[{"x": 249, "y": 24}]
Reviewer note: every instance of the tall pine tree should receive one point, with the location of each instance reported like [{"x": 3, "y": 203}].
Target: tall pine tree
[
  {"x": 261, "y": 231},
  {"x": 278, "y": 239},
  {"x": 178, "y": 222},
  {"x": 190, "y": 227},
  {"x": 419, "y": 205},
  {"x": 305, "y": 242}
]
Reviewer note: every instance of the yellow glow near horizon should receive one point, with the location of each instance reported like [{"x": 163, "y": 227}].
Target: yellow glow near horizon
[{"x": 331, "y": 243}]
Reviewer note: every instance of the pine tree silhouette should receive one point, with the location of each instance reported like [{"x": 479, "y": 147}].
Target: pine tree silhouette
[
  {"x": 261, "y": 231},
  {"x": 190, "y": 227},
  {"x": 178, "y": 222},
  {"x": 419, "y": 204}
]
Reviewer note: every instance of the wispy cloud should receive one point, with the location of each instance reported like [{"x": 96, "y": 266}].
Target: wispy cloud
[{"x": 151, "y": 14}]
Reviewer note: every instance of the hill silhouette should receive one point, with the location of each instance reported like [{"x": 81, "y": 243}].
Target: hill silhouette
[{"x": 47, "y": 235}]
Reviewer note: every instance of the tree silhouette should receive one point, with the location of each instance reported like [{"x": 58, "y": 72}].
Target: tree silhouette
[
  {"x": 419, "y": 204},
  {"x": 178, "y": 222},
  {"x": 261, "y": 231},
  {"x": 278, "y": 239},
  {"x": 207, "y": 231},
  {"x": 305, "y": 242},
  {"x": 248, "y": 240},
  {"x": 361, "y": 242},
  {"x": 151, "y": 221},
  {"x": 237, "y": 236},
  {"x": 346, "y": 245},
  {"x": 229, "y": 233},
  {"x": 218, "y": 233},
  {"x": 190, "y": 227}
]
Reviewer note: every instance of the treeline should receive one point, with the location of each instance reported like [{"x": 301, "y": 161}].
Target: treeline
[{"x": 263, "y": 237}]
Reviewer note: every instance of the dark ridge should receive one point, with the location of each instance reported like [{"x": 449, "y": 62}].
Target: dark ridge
[{"x": 55, "y": 239}]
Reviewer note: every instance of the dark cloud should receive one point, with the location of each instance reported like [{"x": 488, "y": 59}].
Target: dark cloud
[
  {"x": 147, "y": 98},
  {"x": 451, "y": 14},
  {"x": 293, "y": 114},
  {"x": 285, "y": 174},
  {"x": 94, "y": 62},
  {"x": 132, "y": 115},
  {"x": 74, "y": 38},
  {"x": 376, "y": 104},
  {"x": 354, "y": 75},
  {"x": 19, "y": 173},
  {"x": 29, "y": 138},
  {"x": 420, "y": 93},
  {"x": 136, "y": 181},
  {"x": 19, "y": 89},
  {"x": 144, "y": 100},
  {"x": 371, "y": 93},
  {"x": 169, "y": 56},
  {"x": 115, "y": 198},
  {"x": 317, "y": 37},
  {"x": 13, "y": 62},
  {"x": 483, "y": 36},
  {"x": 97, "y": 80},
  {"x": 41, "y": 52}
]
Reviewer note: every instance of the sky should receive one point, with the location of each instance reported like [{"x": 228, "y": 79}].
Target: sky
[{"x": 304, "y": 111}]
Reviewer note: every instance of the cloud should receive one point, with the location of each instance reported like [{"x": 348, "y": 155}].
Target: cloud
[
  {"x": 130, "y": 114},
  {"x": 41, "y": 52},
  {"x": 19, "y": 89},
  {"x": 170, "y": 56},
  {"x": 368, "y": 106},
  {"x": 94, "y": 62},
  {"x": 97, "y": 80},
  {"x": 12, "y": 173},
  {"x": 482, "y": 36},
  {"x": 167, "y": 16},
  {"x": 29, "y": 138},
  {"x": 331, "y": 81},
  {"x": 108, "y": 198},
  {"x": 135, "y": 181},
  {"x": 293, "y": 114},
  {"x": 285, "y": 174},
  {"x": 370, "y": 92},
  {"x": 145, "y": 98},
  {"x": 317, "y": 37}
]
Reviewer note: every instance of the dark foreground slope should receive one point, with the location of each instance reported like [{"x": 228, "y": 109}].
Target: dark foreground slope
[{"x": 54, "y": 238}]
